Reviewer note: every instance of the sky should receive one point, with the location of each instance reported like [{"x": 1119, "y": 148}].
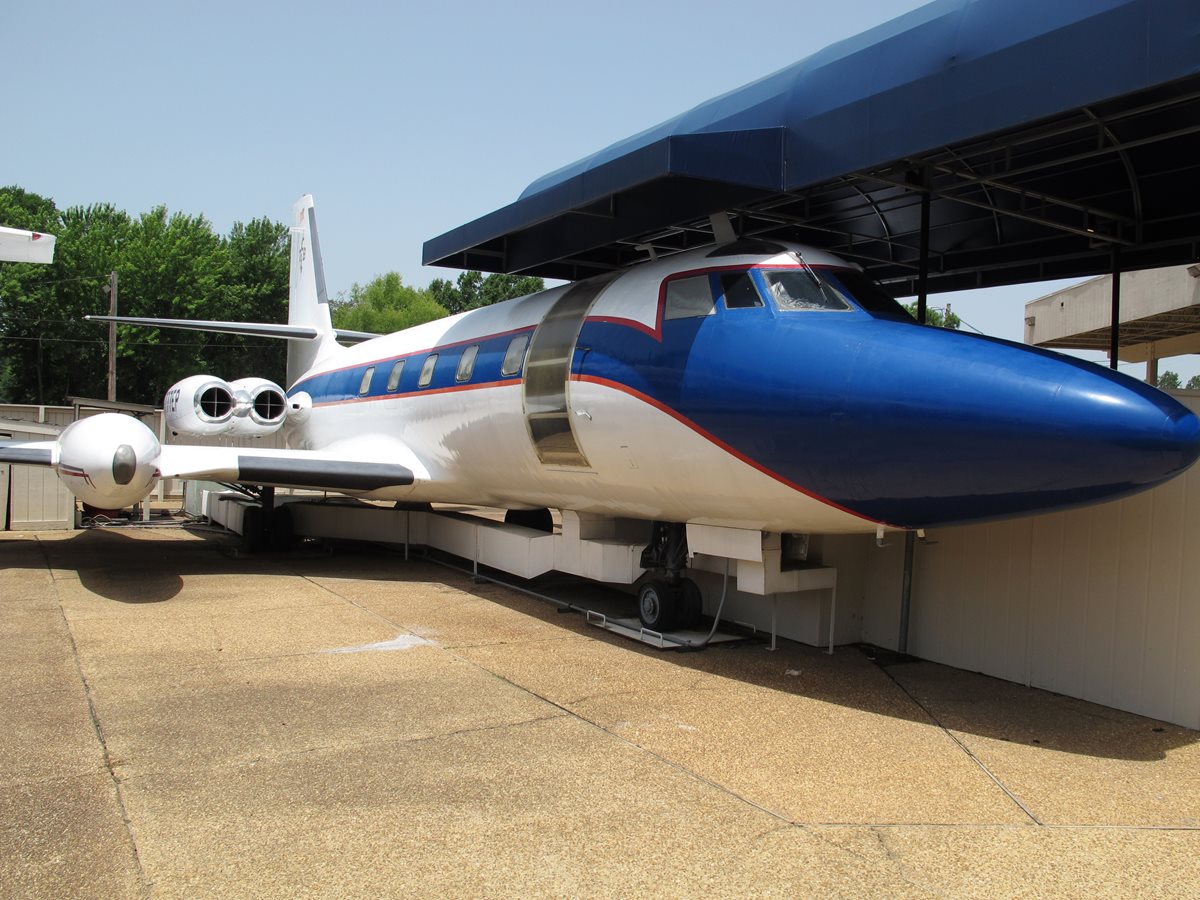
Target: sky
[{"x": 404, "y": 120}]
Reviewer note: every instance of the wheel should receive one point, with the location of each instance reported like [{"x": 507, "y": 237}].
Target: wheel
[
  {"x": 692, "y": 604},
  {"x": 281, "y": 536},
  {"x": 537, "y": 519},
  {"x": 658, "y": 606},
  {"x": 254, "y": 536}
]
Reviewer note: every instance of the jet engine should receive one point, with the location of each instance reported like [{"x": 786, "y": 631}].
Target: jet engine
[
  {"x": 206, "y": 406},
  {"x": 109, "y": 461}
]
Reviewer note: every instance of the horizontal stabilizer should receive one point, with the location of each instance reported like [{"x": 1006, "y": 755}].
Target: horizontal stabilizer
[{"x": 248, "y": 329}]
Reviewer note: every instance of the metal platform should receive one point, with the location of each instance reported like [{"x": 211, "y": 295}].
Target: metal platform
[{"x": 685, "y": 639}]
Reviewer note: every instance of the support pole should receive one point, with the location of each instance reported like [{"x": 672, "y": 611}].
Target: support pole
[
  {"x": 1114, "y": 335},
  {"x": 112, "y": 337},
  {"x": 923, "y": 265},
  {"x": 910, "y": 541}
]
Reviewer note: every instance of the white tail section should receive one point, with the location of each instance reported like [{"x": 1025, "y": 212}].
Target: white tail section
[{"x": 308, "y": 303}]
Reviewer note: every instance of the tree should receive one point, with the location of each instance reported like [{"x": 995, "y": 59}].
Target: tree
[
  {"x": 255, "y": 289},
  {"x": 1193, "y": 383},
  {"x": 173, "y": 266},
  {"x": 26, "y": 294},
  {"x": 169, "y": 266},
  {"x": 935, "y": 317},
  {"x": 1168, "y": 381},
  {"x": 53, "y": 353},
  {"x": 474, "y": 289},
  {"x": 385, "y": 305}
]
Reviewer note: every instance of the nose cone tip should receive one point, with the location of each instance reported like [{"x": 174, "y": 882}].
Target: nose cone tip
[{"x": 1181, "y": 439}]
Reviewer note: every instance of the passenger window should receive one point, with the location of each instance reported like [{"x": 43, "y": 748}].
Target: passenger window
[
  {"x": 514, "y": 355},
  {"x": 466, "y": 363},
  {"x": 365, "y": 384},
  {"x": 427, "y": 370},
  {"x": 688, "y": 298},
  {"x": 739, "y": 291},
  {"x": 803, "y": 289},
  {"x": 394, "y": 377}
]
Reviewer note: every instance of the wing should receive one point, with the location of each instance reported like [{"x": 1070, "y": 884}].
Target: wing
[
  {"x": 28, "y": 453},
  {"x": 281, "y": 468},
  {"x": 17, "y": 245},
  {"x": 112, "y": 461}
]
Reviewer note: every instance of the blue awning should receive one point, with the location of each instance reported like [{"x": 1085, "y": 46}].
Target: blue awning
[{"x": 1045, "y": 134}]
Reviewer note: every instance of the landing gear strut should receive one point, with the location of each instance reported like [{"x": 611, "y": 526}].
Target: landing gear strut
[{"x": 668, "y": 600}]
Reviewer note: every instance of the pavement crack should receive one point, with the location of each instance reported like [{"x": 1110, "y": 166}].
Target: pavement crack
[
  {"x": 946, "y": 730},
  {"x": 883, "y": 844},
  {"x": 144, "y": 882}
]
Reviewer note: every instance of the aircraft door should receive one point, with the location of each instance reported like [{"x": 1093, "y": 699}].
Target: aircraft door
[{"x": 548, "y": 375}]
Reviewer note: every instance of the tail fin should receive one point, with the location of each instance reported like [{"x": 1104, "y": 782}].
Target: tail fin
[{"x": 308, "y": 302}]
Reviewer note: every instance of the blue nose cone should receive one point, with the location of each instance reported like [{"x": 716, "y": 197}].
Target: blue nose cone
[{"x": 994, "y": 429}]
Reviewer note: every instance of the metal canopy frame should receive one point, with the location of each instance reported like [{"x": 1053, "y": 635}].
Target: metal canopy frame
[{"x": 1103, "y": 165}]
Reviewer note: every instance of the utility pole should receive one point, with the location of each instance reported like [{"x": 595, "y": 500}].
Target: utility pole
[{"x": 112, "y": 336}]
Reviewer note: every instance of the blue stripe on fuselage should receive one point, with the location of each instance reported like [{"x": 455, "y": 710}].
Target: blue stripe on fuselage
[{"x": 342, "y": 385}]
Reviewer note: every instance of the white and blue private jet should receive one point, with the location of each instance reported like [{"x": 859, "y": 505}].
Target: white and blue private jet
[{"x": 753, "y": 384}]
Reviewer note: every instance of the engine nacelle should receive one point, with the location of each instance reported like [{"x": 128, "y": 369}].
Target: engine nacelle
[
  {"x": 207, "y": 406},
  {"x": 265, "y": 405},
  {"x": 109, "y": 461}
]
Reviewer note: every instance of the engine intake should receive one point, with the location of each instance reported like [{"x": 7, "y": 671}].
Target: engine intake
[{"x": 207, "y": 407}]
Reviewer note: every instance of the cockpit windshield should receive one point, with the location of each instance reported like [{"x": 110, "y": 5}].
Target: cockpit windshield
[
  {"x": 809, "y": 289},
  {"x": 804, "y": 290}
]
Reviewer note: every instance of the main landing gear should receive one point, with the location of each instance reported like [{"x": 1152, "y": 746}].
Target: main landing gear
[{"x": 668, "y": 600}]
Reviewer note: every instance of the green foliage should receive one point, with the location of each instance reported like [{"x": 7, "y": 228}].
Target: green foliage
[
  {"x": 1193, "y": 383},
  {"x": 385, "y": 305},
  {"x": 1169, "y": 381},
  {"x": 170, "y": 266},
  {"x": 936, "y": 317},
  {"x": 173, "y": 265},
  {"x": 474, "y": 289}
]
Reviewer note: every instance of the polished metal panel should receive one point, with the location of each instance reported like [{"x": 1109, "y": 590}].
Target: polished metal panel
[{"x": 548, "y": 374}]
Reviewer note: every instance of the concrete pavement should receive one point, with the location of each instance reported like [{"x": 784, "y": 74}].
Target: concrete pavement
[{"x": 180, "y": 723}]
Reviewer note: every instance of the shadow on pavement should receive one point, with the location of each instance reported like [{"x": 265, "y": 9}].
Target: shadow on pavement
[{"x": 118, "y": 566}]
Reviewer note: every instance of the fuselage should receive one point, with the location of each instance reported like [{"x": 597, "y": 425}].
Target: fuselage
[{"x": 756, "y": 388}]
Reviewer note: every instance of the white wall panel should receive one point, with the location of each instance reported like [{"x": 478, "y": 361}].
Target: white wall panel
[{"x": 1101, "y": 603}]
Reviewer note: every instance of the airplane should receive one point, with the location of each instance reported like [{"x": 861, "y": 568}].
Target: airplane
[
  {"x": 752, "y": 384},
  {"x": 18, "y": 245}
]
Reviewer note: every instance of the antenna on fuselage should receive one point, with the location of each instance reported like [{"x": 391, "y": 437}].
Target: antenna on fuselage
[{"x": 722, "y": 228}]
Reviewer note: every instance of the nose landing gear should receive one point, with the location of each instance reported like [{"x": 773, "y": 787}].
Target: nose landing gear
[{"x": 668, "y": 600}]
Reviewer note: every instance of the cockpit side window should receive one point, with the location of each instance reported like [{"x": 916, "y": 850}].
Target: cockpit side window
[
  {"x": 803, "y": 290},
  {"x": 869, "y": 295},
  {"x": 689, "y": 298},
  {"x": 739, "y": 290}
]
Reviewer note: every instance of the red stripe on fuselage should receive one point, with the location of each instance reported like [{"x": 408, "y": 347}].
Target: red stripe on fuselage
[
  {"x": 409, "y": 354},
  {"x": 421, "y": 392},
  {"x": 656, "y": 331},
  {"x": 711, "y": 438}
]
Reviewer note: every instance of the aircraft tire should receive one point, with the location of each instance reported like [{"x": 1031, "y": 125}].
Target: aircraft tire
[
  {"x": 692, "y": 604},
  {"x": 282, "y": 536},
  {"x": 659, "y": 605}
]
